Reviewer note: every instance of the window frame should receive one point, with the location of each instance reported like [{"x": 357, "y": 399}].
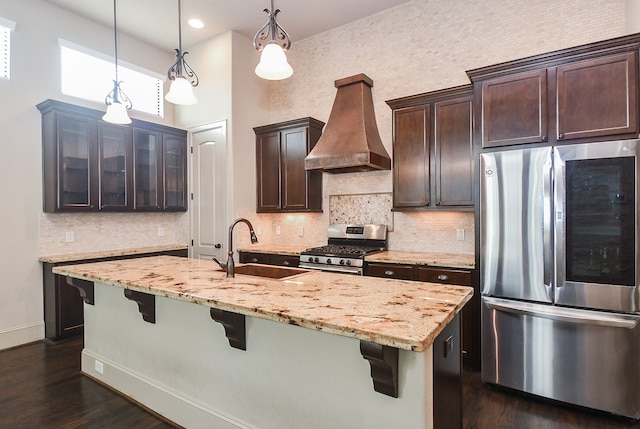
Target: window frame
[
  {"x": 6, "y": 28},
  {"x": 123, "y": 69}
]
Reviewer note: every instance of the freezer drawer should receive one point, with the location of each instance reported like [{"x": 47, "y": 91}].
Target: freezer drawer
[{"x": 582, "y": 357}]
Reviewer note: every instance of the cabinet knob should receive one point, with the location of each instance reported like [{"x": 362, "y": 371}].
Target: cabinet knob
[
  {"x": 389, "y": 273},
  {"x": 560, "y": 136},
  {"x": 254, "y": 259},
  {"x": 286, "y": 263},
  {"x": 443, "y": 277},
  {"x": 543, "y": 138}
]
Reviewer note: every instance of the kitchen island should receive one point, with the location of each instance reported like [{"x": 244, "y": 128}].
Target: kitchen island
[{"x": 173, "y": 357}]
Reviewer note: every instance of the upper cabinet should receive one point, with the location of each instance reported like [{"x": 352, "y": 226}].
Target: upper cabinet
[
  {"x": 91, "y": 165},
  {"x": 580, "y": 94},
  {"x": 433, "y": 150},
  {"x": 283, "y": 184}
]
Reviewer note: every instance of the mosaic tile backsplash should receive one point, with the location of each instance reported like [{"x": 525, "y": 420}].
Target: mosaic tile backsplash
[{"x": 361, "y": 209}]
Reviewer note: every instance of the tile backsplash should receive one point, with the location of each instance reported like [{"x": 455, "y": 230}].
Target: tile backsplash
[
  {"x": 110, "y": 231},
  {"x": 362, "y": 209}
]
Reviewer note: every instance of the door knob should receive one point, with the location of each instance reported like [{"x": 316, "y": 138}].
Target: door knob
[{"x": 218, "y": 246}]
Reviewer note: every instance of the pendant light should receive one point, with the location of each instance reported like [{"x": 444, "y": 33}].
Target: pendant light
[
  {"x": 117, "y": 101},
  {"x": 273, "y": 61},
  {"x": 181, "y": 90}
]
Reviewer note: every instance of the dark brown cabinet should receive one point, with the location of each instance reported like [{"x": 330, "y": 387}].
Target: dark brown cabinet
[
  {"x": 433, "y": 150},
  {"x": 90, "y": 165},
  {"x": 63, "y": 305},
  {"x": 283, "y": 185},
  {"x": 268, "y": 259},
  {"x": 569, "y": 97}
]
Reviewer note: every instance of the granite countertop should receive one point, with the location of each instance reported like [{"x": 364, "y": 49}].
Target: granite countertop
[
  {"x": 70, "y": 257},
  {"x": 397, "y": 313},
  {"x": 449, "y": 260}
]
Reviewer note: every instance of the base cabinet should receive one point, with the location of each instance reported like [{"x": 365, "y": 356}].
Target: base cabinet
[
  {"x": 63, "y": 305},
  {"x": 470, "y": 317},
  {"x": 268, "y": 259}
]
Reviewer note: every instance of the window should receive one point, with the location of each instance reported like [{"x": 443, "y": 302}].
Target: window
[
  {"x": 6, "y": 27},
  {"x": 89, "y": 75}
]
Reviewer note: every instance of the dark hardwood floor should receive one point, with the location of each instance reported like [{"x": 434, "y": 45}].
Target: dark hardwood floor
[{"x": 41, "y": 387}]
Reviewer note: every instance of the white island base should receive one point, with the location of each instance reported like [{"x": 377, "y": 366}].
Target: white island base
[{"x": 183, "y": 368}]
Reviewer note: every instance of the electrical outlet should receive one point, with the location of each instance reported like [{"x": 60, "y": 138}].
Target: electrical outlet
[
  {"x": 278, "y": 230},
  {"x": 460, "y": 234},
  {"x": 69, "y": 237},
  {"x": 301, "y": 231},
  {"x": 160, "y": 231},
  {"x": 99, "y": 367}
]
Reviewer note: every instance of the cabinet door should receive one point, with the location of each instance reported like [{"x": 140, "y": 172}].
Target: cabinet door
[
  {"x": 268, "y": 171},
  {"x": 295, "y": 179},
  {"x": 514, "y": 109},
  {"x": 147, "y": 151},
  {"x": 447, "y": 276},
  {"x": 77, "y": 175},
  {"x": 175, "y": 172},
  {"x": 114, "y": 160},
  {"x": 253, "y": 258},
  {"x": 284, "y": 260},
  {"x": 453, "y": 153},
  {"x": 598, "y": 97},
  {"x": 411, "y": 157}
]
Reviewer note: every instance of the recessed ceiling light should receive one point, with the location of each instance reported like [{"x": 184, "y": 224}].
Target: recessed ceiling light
[{"x": 195, "y": 23}]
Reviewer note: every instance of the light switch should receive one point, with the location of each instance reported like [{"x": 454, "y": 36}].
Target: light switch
[
  {"x": 69, "y": 237},
  {"x": 278, "y": 230},
  {"x": 460, "y": 234},
  {"x": 300, "y": 231}
]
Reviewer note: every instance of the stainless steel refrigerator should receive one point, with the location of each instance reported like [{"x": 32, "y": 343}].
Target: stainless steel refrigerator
[{"x": 559, "y": 273}]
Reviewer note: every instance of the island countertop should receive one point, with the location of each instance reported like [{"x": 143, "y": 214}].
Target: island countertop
[{"x": 397, "y": 313}]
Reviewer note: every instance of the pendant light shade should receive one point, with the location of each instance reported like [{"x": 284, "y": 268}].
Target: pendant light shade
[
  {"x": 116, "y": 114},
  {"x": 181, "y": 75},
  {"x": 117, "y": 101},
  {"x": 181, "y": 92},
  {"x": 273, "y": 41},
  {"x": 273, "y": 63}
]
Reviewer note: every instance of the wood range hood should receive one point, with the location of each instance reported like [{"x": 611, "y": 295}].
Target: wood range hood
[{"x": 350, "y": 141}]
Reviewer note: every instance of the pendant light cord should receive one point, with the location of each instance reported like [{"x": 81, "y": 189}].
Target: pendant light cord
[
  {"x": 115, "y": 36},
  {"x": 180, "y": 25}
]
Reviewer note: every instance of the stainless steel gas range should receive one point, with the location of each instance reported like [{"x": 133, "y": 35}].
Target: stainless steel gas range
[{"x": 346, "y": 248}]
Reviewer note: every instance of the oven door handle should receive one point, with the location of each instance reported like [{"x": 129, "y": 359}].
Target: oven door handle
[{"x": 563, "y": 314}]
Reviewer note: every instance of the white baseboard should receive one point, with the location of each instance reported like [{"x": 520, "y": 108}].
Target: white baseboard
[
  {"x": 167, "y": 402},
  {"x": 18, "y": 335}
]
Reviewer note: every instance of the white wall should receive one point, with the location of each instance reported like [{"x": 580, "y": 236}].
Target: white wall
[{"x": 34, "y": 78}]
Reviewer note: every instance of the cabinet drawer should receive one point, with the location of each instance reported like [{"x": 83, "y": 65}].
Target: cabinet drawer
[
  {"x": 436, "y": 275},
  {"x": 253, "y": 258},
  {"x": 284, "y": 260},
  {"x": 392, "y": 271}
]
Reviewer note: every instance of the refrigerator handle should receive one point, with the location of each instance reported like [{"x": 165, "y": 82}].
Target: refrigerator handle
[
  {"x": 563, "y": 314},
  {"x": 547, "y": 221}
]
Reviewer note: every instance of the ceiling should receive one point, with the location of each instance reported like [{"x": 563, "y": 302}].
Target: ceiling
[{"x": 300, "y": 18}]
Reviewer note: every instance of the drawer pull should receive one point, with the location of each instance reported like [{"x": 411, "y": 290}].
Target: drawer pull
[
  {"x": 286, "y": 263},
  {"x": 254, "y": 259},
  {"x": 389, "y": 273},
  {"x": 443, "y": 277}
]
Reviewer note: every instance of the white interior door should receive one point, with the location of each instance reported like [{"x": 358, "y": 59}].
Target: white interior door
[{"x": 208, "y": 174}]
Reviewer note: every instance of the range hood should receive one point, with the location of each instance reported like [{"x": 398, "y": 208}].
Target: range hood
[{"x": 350, "y": 141}]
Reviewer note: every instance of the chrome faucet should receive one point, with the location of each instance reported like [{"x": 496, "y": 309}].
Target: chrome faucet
[{"x": 229, "y": 266}]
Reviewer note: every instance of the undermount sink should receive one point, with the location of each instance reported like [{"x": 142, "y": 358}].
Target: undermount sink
[{"x": 268, "y": 271}]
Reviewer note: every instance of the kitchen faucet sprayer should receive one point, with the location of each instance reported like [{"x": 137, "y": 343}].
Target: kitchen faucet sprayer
[{"x": 229, "y": 266}]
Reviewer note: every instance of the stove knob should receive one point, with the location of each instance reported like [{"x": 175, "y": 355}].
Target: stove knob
[
  {"x": 329, "y": 261},
  {"x": 316, "y": 260},
  {"x": 310, "y": 258},
  {"x": 341, "y": 261},
  {"x": 348, "y": 262}
]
